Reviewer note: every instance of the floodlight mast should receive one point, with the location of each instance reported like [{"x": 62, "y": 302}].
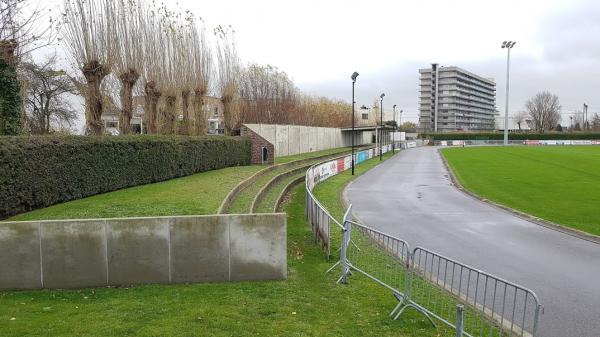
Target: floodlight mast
[{"x": 508, "y": 45}]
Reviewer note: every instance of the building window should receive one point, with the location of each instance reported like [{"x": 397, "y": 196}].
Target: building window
[
  {"x": 365, "y": 116},
  {"x": 112, "y": 124}
]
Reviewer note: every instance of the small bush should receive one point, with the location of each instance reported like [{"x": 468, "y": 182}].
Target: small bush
[
  {"x": 511, "y": 136},
  {"x": 44, "y": 170}
]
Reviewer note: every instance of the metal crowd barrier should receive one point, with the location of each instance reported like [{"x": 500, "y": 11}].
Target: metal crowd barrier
[
  {"x": 462, "y": 297},
  {"x": 320, "y": 221},
  {"x": 318, "y": 216}
]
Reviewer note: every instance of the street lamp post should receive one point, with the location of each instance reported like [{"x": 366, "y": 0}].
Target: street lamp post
[
  {"x": 508, "y": 45},
  {"x": 353, "y": 77},
  {"x": 381, "y": 129},
  {"x": 395, "y": 128}
]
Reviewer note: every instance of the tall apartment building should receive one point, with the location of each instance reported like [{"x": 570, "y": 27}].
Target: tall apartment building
[{"x": 453, "y": 99}]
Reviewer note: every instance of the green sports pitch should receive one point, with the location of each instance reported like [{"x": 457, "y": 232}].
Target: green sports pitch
[{"x": 557, "y": 183}]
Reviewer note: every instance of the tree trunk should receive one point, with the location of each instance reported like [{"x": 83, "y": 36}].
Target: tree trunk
[
  {"x": 128, "y": 80},
  {"x": 185, "y": 126},
  {"x": 230, "y": 114},
  {"x": 94, "y": 73},
  {"x": 169, "y": 115},
  {"x": 152, "y": 96},
  {"x": 199, "y": 117}
]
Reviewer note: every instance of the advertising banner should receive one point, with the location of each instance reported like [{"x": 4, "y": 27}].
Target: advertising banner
[
  {"x": 340, "y": 165},
  {"x": 327, "y": 170},
  {"x": 362, "y": 156},
  {"x": 347, "y": 163}
]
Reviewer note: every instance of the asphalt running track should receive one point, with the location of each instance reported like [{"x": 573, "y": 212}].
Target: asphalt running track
[{"x": 411, "y": 196}]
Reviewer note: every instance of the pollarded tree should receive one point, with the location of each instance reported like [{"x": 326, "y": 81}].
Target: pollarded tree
[
  {"x": 228, "y": 79},
  {"x": 151, "y": 35},
  {"x": 544, "y": 110},
  {"x": 126, "y": 44},
  {"x": 201, "y": 71},
  {"x": 87, "y": 34}
]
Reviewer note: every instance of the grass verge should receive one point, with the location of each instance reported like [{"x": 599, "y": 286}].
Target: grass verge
[
  {"x": 557, "y": 183},
  {"x": 197, "y": 194}
]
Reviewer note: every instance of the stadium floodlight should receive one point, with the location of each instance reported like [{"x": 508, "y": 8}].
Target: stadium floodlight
[{"x": 508, "y": 45}]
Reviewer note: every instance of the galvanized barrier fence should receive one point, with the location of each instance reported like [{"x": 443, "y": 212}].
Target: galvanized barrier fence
[
  {"x": 318, "y": 216},
  {"x": 436, "y": 285},
  {"x": 471, "y": 301}
]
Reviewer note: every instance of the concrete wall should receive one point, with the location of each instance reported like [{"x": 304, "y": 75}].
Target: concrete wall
[
  {"x": 101, "y": 252},
  {"x": 295, "y": 139}
]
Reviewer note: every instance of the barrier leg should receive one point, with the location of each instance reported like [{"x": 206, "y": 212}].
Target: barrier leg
[{"x": 460, "y": 311}]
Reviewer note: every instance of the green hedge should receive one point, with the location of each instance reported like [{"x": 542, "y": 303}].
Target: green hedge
[
  {"x": 44, "y": 170},
  {"x": 512, "y": 136}
]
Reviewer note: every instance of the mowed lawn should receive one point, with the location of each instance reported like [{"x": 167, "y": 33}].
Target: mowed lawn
[
  {"x": 198, "y": 194},
  {"x": 309, "y": 303},
  {"x": 557, "y": 183}
]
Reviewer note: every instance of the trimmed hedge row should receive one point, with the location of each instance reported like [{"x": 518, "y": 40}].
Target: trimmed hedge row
[
  {"x": 44, "y": 170},
  {"x": 512, "y": 136}
]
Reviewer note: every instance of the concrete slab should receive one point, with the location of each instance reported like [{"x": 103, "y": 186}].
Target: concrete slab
[
  {"x": 138, "y": 251},
  {"x": 74, "y": 254},
  {"x": 199, "y": 249},
  {"x": 258, "y": 246},
  {"x": 20, "y": 256}
]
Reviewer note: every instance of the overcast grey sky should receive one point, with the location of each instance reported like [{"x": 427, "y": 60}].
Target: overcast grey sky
[{"x": 320, "y": 43}]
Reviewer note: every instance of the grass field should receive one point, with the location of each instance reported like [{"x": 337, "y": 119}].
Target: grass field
[
  {"x": 557, "y": 183},
  {"x": 309, "y": 303}
]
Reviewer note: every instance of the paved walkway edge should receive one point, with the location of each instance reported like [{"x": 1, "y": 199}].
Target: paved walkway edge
[{"x": 535, "y": 220}]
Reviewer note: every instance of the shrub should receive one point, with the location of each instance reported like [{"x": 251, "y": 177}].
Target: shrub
[
  {"x": 511, "y": 136},
  {"x": 44, "y": 170}
]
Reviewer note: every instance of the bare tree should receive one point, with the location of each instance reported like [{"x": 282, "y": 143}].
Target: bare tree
[
  {"x": 87, "y": 33},
  {"x": 46, "y": 97},
  {"x": 228, "y": 77},
  {"x": 267, "y": 95},
  {"x": 544, "y": 110},
  {"x": 202, "y": 72},
  {"x": 521, "y": 118},
  {"x": 125, "y": 18},
  {"x": 24, "y": 28},
  {"x": 596, "y": 122}
]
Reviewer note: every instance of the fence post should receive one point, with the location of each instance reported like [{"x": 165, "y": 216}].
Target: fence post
[
  {"x": 536, "y": 319},
  {"x": 460, "y": 310},
  {"x": 345, "y": 241}
]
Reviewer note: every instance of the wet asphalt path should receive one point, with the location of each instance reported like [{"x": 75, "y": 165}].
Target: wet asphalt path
[{"x": 411, "y": 196}]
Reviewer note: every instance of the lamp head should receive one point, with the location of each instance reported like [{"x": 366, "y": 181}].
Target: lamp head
[
  {"x": 382, "y": 96},
  {"x": 394, "y": 106},
  {"x": 504, "y": 44},
  {"x": 354, "y": 76}
]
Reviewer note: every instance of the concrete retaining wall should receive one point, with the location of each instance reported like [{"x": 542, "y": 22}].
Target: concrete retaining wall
[
  {"x": 295, "y": 139},
  {"x": 101, "y": 252}
]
